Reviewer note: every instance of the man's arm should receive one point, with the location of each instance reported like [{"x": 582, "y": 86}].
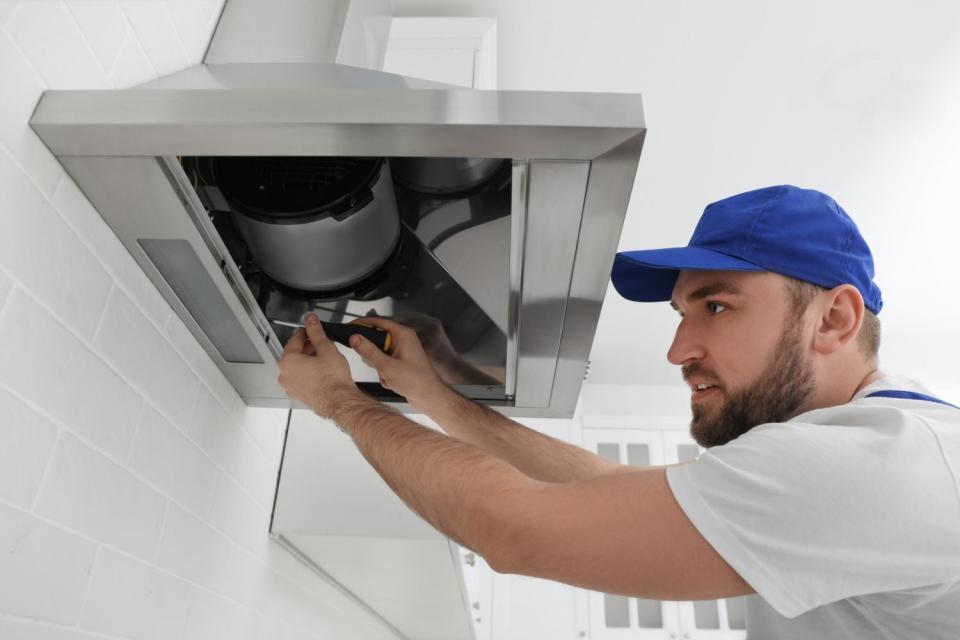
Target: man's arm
[
  {"x": 409, "y": 372},
  {"x": 621, "y": 533},
  {"x": 535, "y": 454}
]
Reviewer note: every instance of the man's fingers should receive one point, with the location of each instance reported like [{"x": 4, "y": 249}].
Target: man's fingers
[
  {"x": 382, "y": 323},
  {"x": 295, "y": 343},
  {"x": 370, "y": 352}
]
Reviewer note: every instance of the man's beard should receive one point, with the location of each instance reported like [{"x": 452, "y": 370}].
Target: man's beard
[{"x": 776, "y": 396}]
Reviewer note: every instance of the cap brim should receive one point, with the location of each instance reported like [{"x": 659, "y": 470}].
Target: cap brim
[{"x": 649, "y": 276}]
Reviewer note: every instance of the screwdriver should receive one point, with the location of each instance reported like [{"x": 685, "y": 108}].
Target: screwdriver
[{"x": 339, "y": 332}]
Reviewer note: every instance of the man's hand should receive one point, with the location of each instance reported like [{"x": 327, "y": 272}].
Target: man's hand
[
  {"x": 313, "y": 372},
  {"x": 449, "y": 365},
  {"x": 433, "y": 339},
  {"x": 407, "y": 371}
]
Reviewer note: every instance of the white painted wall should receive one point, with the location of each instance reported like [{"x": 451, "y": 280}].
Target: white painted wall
[
  {"x": 856, "y": 98},
  {"x": 135, "y": 487}
]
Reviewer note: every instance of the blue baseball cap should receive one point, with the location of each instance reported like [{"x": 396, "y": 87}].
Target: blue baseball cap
[{"x": 800, "y": 233}]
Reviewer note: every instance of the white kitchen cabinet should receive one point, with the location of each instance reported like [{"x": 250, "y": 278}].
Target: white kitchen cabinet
[
  {"x": 654, "y": 442},
  {"x": 527, "y": 608},
  {"x": 478, "y": 580}
]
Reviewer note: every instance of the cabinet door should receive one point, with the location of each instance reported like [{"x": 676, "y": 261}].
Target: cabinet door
[
  {"x": 527, "y": 608},
  {"x": 478, "y": 581},
  {"x": 713, "y": 620},
  {"x": 703, "y": 619},
  {"x": 613, "y": 617}
]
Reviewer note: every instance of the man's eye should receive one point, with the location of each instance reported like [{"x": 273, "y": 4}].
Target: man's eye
[{"x": 716, "y": 307}]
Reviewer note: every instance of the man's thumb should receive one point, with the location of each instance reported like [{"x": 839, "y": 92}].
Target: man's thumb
[{"x": 315, "y": 332}]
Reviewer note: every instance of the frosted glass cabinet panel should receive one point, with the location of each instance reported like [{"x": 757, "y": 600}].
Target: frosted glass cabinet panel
[
  {"x": 678, "y": 446},
  {"x": 478, "y": 582},
  {"x": 640, "y": 447}
]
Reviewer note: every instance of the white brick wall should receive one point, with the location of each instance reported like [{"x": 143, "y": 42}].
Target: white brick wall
[{"x": 135, "y": 487}]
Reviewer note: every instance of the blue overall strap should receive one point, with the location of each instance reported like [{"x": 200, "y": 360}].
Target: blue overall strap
[{"x": 909, "y": 395}]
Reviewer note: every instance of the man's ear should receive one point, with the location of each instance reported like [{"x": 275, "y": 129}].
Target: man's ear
[{"x": 839, "y": 318}]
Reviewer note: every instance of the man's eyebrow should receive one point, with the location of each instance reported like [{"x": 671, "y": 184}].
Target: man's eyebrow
[{"x": 710, "y": 289}]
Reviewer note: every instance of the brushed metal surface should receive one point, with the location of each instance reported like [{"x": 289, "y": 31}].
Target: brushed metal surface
[
  {"x": 328, "y": 253},
  {"x": 349, "y": 32},
  {"x": 555, "y": 194},
  {"x": 332, "y": 122},
  {"x": 518, "y": 235},
  {"x": 278, "y": 31},
  {"x": 444, "y": 175},
  {"x": 608, "y": 193},
  {"x": 574, "y": 155}
]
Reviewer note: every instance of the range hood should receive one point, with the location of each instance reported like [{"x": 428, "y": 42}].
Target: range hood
[{"x": 514, "y": 267}]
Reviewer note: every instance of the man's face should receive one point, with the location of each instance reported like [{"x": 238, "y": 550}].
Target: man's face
[{"x": 739, "y": 336}]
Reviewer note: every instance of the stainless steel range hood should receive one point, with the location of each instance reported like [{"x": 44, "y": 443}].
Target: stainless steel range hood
[{"x": 531, "y": 275}]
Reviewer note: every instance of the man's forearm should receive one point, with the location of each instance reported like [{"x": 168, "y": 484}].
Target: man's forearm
[
  {"x": 535, "y": 454},
  {"x": 457, "y": 488}
]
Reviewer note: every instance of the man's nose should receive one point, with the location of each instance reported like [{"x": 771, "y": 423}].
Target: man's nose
[{"x": 686, "y": 346}]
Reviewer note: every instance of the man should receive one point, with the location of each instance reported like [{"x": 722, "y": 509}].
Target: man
[{"x": 828, "y": 489}]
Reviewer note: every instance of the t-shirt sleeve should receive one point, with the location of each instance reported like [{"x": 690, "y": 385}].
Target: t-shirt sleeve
[{"x": 809, "y": 514}]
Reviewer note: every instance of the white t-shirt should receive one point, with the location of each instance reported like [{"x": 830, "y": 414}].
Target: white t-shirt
[{"x": 844, "y": 520}]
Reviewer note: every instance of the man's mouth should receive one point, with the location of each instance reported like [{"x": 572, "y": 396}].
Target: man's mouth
[{"x": 703, "y": 391}]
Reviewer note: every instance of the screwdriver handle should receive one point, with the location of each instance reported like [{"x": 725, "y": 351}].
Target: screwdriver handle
[{"x": 341, "y": 333}]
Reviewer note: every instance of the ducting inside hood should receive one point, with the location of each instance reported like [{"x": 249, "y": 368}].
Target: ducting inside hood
[{"x": 294, "y": 225}]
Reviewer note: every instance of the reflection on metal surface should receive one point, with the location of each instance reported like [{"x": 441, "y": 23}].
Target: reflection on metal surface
[
  {"x": 518, "y": 234},
  {"x": 608, "y": 193},
  {"x": 447, "y": 361},
  {"x": 445, "y": 177},
  {"x": 555, "y": 193},
  {"x": 292, "y": 549}
]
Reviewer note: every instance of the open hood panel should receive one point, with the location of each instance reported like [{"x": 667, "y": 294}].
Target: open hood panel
[
  {"x": 537, "y": 267},
  {"x": 499, "y": 212}
]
